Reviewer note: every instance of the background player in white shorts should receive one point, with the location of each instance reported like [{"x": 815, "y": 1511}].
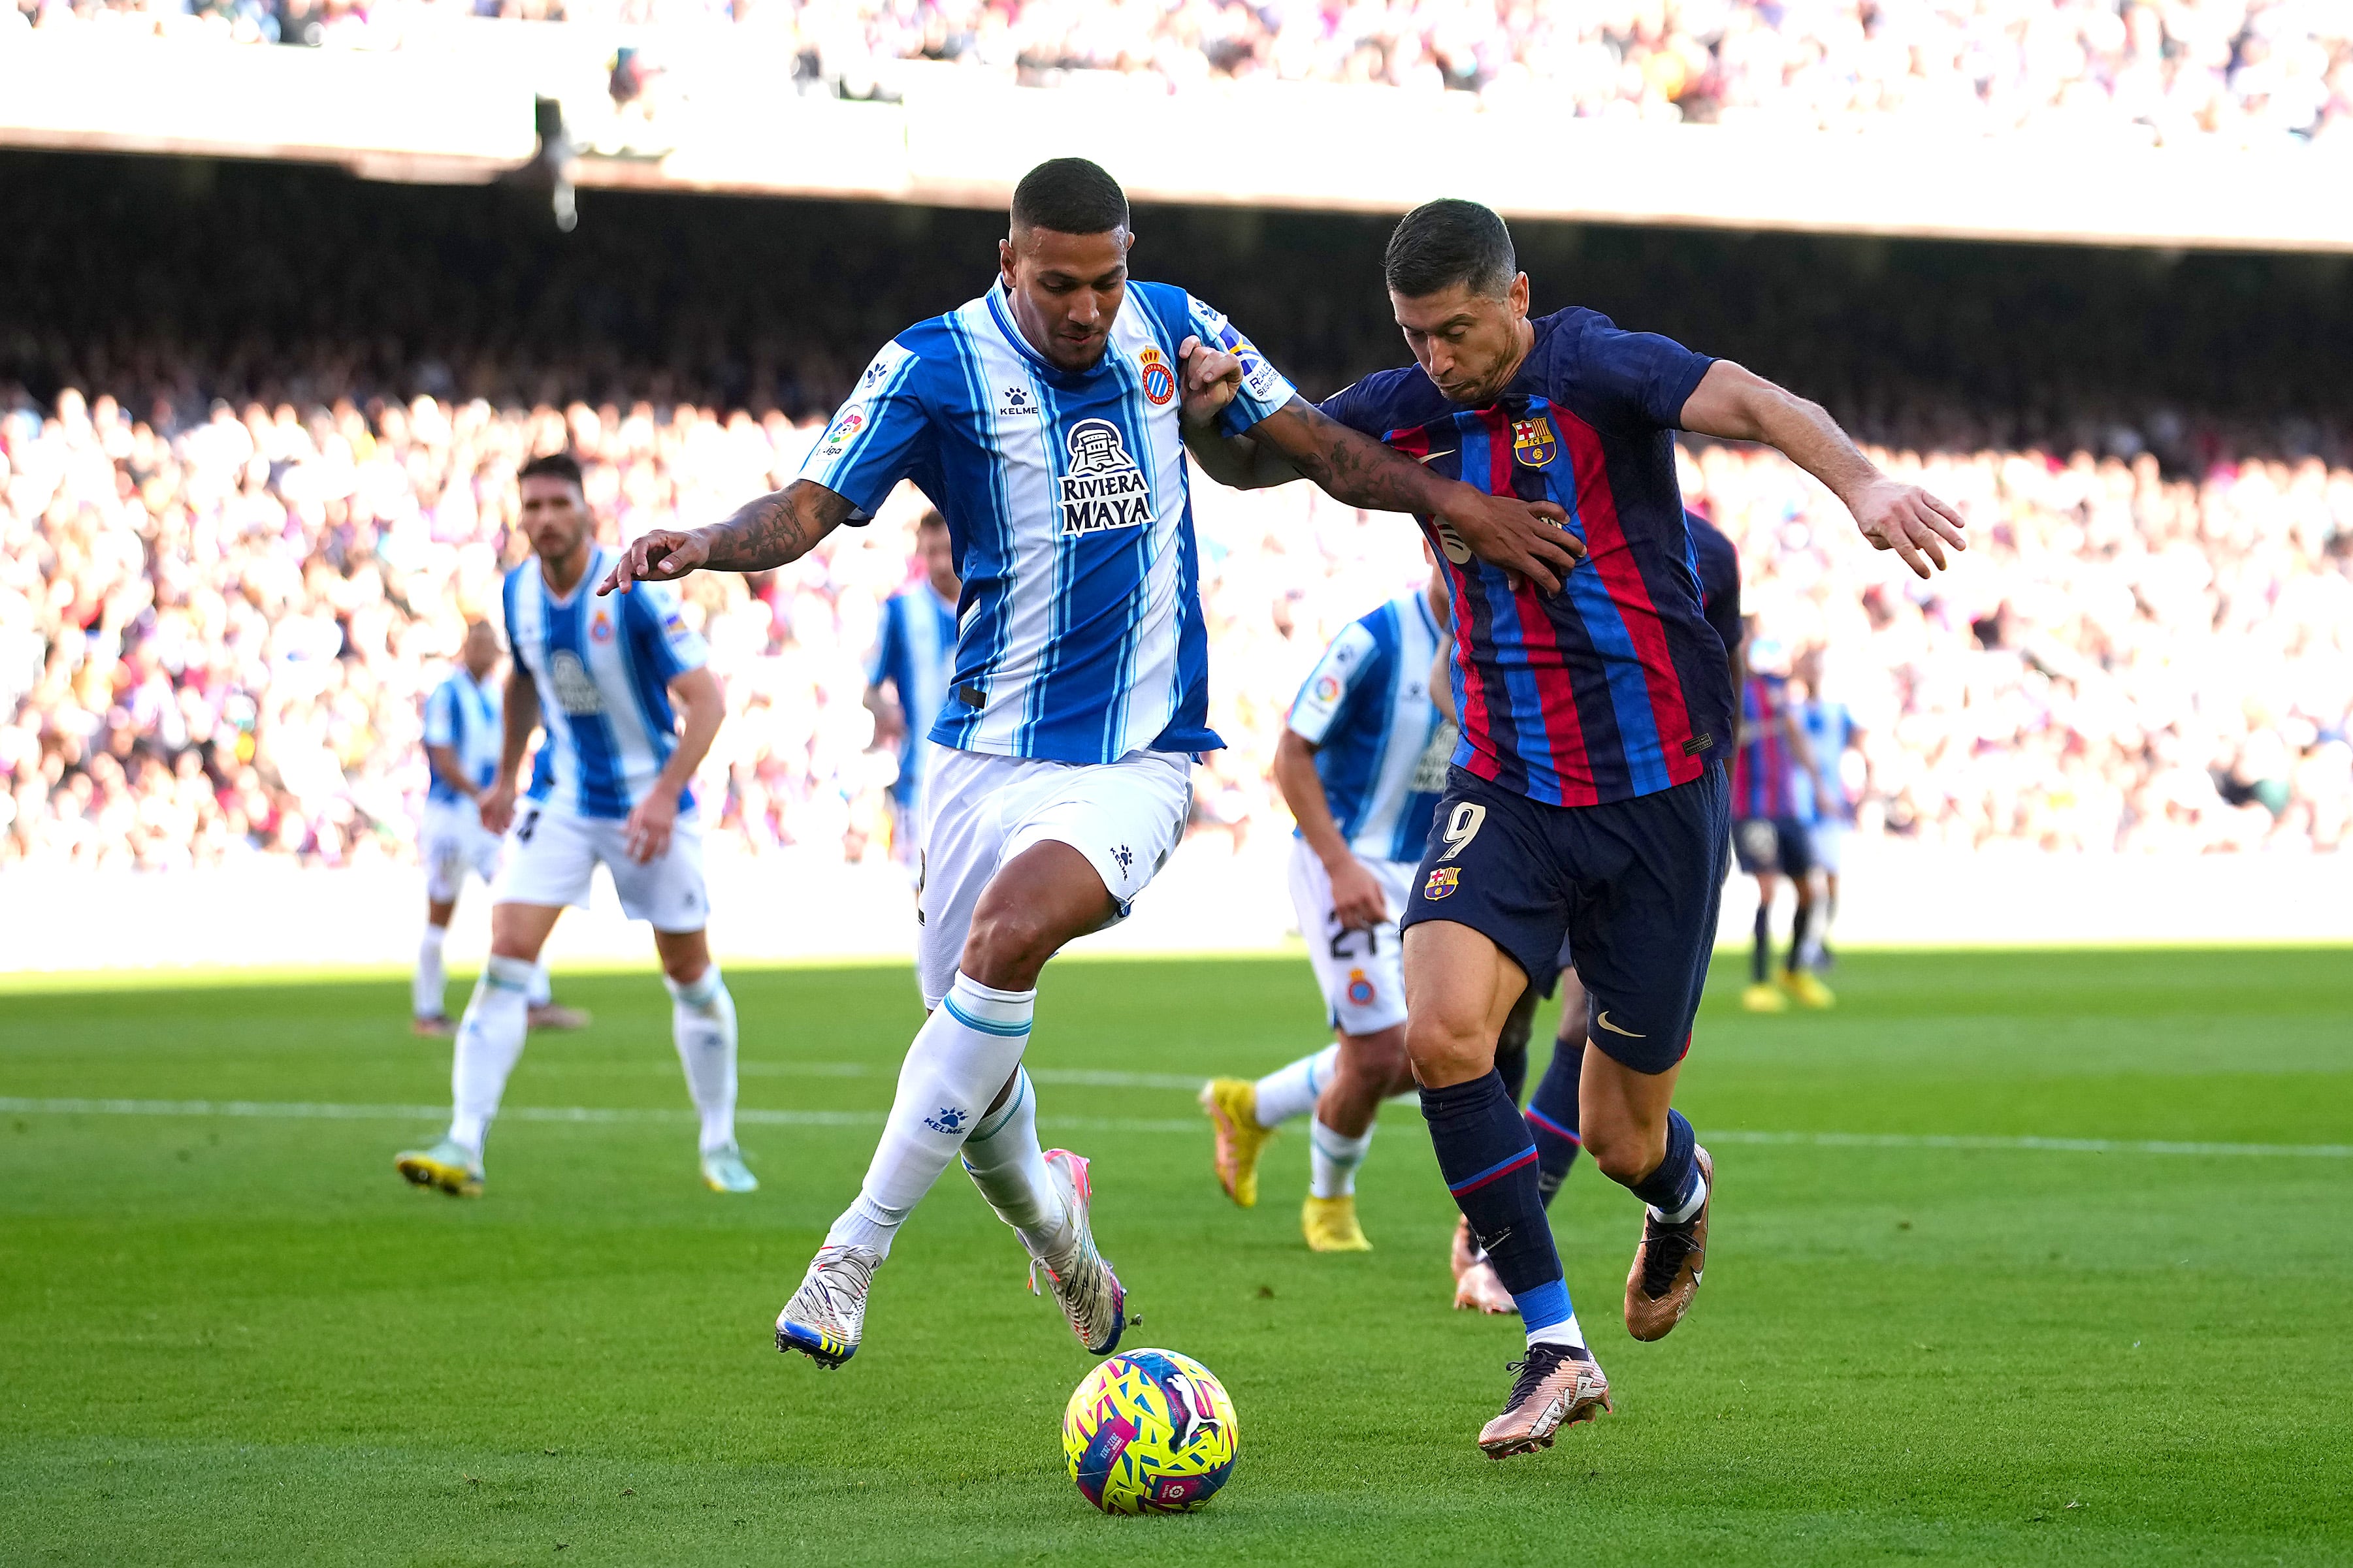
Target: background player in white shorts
[
  {"x": 907, "y": 679},
  {"x": 610, "y": 789},
  {"x": 1046, "y": 420},
  {"x": 1831, "y": 733},
  {"x": 1361, "y": 765},
  {"x": 462, "y": 735}
]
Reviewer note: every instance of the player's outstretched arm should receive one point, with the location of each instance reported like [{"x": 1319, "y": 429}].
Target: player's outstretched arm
[
  {"x": 1736, "y": 404},
  {"x": 701, "y": 706},
  {"x": 762, "y": 535},
  {"x": 519, "y": 722},
  {"x": 1523, "y": 537}
]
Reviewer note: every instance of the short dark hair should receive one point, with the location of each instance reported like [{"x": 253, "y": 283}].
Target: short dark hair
[
  {"x": 1070, "y": 195},
  {"x": 1446, "y": 242},
  {"x": 552, "y": 466},
  {"x": 930, "y": 519}
]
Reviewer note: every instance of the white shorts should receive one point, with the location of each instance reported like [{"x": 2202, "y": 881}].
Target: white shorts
[
  {"x": 1830, "y": 844},
  {"x": 1361, "y": 972},
  {"x": 980, "y": 811},
  {"x": 552, "y": 858},
  {"x": 452, "y": 841}
]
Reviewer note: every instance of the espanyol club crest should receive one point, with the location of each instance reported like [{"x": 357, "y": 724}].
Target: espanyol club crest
[
  {"x": 1159, "y": 381},
  {"x": 1104, "y": 489},
  {"x": 1361, "y": 992},
  {"x": 1533, "y": 441},
  {"x": 600, "y": 626}
]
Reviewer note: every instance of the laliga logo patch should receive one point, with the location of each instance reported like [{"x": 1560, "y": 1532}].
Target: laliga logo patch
[
  {"x": 1328, "y": 688},
  {"x": 1360, "y": 990},
  {"x": 1442, "y": 882},
  {"x": 851, "y": 421},
  {"x": 1533, "y": 441},
  {"x": 1104, "y": 490}
]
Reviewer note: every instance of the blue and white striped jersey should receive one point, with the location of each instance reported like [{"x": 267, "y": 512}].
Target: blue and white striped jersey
[
  {"x": 915, "y": 653},
  {"x": 1382, "y": 745},
  {"x": 603, "y": 667},
  {"x": 1829, "y": 731},
  {"x": 1081, "y": 634},
  {"x": 464, "y": 716}
]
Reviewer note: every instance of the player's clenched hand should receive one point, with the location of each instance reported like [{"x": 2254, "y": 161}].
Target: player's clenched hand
[
  {"x": 1909, "y": 520},
  {"x": 1528, "y": 538},
  {"x": 656, "y": 556},
  {"x": 1212, "y": 377},
  {"x": 646, "y": 832},
  {"x": 1357, "y": 901},
  {"x": 496, "y": 804}
]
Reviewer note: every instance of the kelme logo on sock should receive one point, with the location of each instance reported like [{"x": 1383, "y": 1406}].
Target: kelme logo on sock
[{"x": 948, "y": 1119}]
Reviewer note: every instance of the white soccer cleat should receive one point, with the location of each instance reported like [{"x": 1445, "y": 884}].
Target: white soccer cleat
[
  {"x": 1090, "y": 1294},
  {"x": 828, "y": 1314}
]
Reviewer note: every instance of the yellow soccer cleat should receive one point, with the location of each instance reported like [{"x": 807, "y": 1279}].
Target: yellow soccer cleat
[
  {"x": 1762, "y": 997},
  {"x": 1807, "y": 989},
  {"x": 1330, "y": 1224},
  {"x": 446, "y": 1167},
  {"x": 1232, "y": 1107}
]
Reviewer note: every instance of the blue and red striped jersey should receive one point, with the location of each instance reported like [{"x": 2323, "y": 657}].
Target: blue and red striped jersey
[
  {"x": 1766, "y": 781},
  {"x": 1616, "y": 686}
]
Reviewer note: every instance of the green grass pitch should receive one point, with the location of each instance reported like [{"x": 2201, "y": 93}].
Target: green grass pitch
[{"x": 237, "y": 1338}]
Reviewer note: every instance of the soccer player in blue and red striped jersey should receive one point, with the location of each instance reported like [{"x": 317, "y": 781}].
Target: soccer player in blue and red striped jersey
[
  {"x": 1587, "y": 798},
  {"x": 1773, "y": 813}
]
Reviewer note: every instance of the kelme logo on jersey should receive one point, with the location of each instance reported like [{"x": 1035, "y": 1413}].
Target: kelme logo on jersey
[
  {"x": 1104, "y": 489},
  {"x": 574, "y": 691}
]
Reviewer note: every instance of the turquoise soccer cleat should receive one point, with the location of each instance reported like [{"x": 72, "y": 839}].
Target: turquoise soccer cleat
[
  {"x": 723, "y": 1170},
  {"x": 446, "y": 1167}
]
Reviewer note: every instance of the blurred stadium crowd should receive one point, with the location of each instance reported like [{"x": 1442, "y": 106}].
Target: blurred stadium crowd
[
  {"x": 2249, "y": 70},
  {"x": 216, "y": 634}
]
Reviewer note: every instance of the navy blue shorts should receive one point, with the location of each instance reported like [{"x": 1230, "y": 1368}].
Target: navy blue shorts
[
  {"x": 1632, "y": 886},
  {"x": 1767, "y": 844}
]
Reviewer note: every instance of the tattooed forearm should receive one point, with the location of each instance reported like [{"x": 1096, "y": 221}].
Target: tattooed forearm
[
  {"x": 775, "y": 529},
  {"x": 1351, "y": 466}
]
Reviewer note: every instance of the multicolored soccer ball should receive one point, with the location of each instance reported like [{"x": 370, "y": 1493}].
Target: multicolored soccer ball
[{"x": 1150, "y": 1432}]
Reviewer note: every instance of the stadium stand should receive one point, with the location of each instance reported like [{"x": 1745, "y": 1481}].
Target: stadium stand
[
  {"x": 2243, "y": 70},
  {"x": 249, "y": 496}
]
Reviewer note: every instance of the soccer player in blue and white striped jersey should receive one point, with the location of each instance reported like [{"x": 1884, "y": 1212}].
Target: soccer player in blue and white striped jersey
[
  {"x": 1361, "y": 762},
  {"x": 629, "y": 710},
  {"x": 914, "y": 653},
  {"x": 1046, "y": 420},
  {"x": 462, "y": 750}
]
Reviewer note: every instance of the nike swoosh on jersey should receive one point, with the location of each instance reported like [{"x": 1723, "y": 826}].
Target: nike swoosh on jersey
[
  {"x": 1604, "y": 1021},
  {"x": 1433, "y": 457}
]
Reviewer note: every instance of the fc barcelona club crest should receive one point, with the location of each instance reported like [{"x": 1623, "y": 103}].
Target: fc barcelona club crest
[
  {"x": 1442, "y": 882},
  {"x": 1533, "y": 441}
]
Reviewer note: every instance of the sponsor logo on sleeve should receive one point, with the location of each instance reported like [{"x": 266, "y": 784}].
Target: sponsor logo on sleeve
[{"x": 1104, "y": 489}]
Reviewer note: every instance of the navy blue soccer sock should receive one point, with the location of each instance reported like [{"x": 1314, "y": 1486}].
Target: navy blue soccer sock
[
  {"x": 1760, "y": 957},
  {"x": 1490, "y": 1166},
  {"x": 1552, "y": 1116},
  {"x": 1675, "y": 1190},
  {"x": 1801, "y": 926}
]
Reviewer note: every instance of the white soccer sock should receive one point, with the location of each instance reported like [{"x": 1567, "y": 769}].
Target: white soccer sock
[
  {"x": 1332, "y": 1159},
  {"x": 960, "y": 1058},
  {"x": 703, "y": 1026},
  {"x": 542, "y": 987},
  {"x": 1007, "y": 1165},
  {"x": 1290, "y": 1091},
  {"x": 1564, "y": 1332},
  {"x": 428, "y": 987},
  {"x": 1699, "y": 1197},
  {"x": 490, "y": 1042}
]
